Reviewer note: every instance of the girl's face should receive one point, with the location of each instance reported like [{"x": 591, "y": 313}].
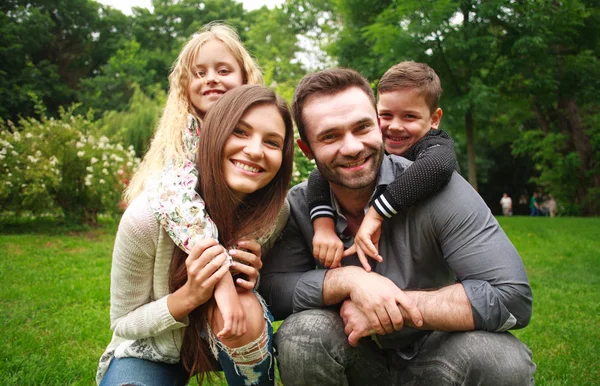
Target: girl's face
[
  {"x": 215, "y": 72},
  {"x": 252, "y": 155}
]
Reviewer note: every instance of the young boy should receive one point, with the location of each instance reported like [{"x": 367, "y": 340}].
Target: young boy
[{"x": 409, "y": 117}]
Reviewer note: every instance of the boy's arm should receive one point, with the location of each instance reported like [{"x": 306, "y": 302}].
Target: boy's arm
[
  {"x": 327, "y": 247},
  {"x": 317, "y": 195},
  {"x": 434, "y": 163}
]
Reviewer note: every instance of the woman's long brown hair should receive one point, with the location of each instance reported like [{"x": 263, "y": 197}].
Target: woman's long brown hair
[{"x": 253, "y": 217}]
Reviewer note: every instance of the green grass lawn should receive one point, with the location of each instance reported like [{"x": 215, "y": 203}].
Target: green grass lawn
[{"x": 54, "y": 300}]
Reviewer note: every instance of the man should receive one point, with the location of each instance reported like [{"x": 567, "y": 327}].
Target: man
[{"x": 447, "y": 266}]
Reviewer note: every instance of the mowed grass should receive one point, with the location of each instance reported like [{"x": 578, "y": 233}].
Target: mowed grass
[{"x": 54, "y": 300}]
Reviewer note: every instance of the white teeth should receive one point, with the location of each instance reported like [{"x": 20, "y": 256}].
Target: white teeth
[
  {"x": 246, "y": 167},
  {"x": 357, "y": 163}
]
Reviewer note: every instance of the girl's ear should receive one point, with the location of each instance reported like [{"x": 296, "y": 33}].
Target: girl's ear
[{"x": 305, "y": 149}]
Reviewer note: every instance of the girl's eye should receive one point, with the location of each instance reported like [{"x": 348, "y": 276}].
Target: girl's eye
[
  {"x": 224, "y": 71},
  {"x": 200, "y": 74}
]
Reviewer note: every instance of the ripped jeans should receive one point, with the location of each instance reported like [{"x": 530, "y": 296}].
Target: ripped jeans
[{"x": 251, "y": 364}]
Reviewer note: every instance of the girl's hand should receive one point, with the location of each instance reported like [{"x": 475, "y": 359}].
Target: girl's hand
[
  {"x": 247, "y": 261},
  {"x": 232, "y": 324},
  {"x": 205, "y": 268}
]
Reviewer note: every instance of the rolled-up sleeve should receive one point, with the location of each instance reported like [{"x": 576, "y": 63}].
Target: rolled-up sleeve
[{"x": 483, "y": 258}]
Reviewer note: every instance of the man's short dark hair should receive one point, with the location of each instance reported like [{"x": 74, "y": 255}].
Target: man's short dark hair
[{"x": 326, "y": 82}]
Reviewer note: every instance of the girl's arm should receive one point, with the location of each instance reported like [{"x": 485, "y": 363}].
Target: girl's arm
[{"x": 434, "y": 163}]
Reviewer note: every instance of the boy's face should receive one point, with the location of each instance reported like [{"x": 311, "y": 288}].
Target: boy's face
[{"x": 404, "y": 118}]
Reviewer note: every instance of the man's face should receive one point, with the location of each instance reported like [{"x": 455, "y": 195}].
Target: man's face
[{"x": 344, "y": 138}]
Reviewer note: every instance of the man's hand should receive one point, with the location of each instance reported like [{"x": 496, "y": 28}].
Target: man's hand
[
  {"x": 379, "y": 299},
  {"x": 356, "y": 324},
  {"x": 366, "y": 241},
  {"x": 327, "y": 246}
]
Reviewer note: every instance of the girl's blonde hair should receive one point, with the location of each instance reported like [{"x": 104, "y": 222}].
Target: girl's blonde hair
[{"x": 167, "y": 143}]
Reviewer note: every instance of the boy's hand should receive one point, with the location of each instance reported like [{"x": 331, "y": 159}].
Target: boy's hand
[
  {"x": 230, "y": 307},
  {"x": 366, "y": 240},
  {"x": 327, "y": 246}
]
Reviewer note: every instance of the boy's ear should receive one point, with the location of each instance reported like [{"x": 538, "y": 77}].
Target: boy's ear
[
  {"x": 305, "y": 149},
  {"x": 436, "y": 118}
]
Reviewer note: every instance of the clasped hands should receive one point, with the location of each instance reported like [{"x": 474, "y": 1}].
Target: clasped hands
[{"x": 378, "y": 306}]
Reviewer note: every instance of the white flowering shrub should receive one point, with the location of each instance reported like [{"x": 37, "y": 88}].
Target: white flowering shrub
[{"x": 62, "y": 164}]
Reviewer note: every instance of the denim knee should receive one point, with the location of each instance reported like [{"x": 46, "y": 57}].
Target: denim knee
[
  {"x": 472, "y": 358},
  {"x": 141, "y": 372}
]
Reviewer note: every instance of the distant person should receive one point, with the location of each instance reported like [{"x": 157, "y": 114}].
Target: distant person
[
  {"x": 175, "y": 307},
  {"x": 435, "y": 310},
  {"x": 409, "y": 117},
  {"x": 550, "y": 205},
  {"x": 534, "y": 205},
  {"x": 506, "y": 204}
]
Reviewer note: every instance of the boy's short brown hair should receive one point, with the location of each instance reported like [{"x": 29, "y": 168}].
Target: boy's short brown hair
[
  {"x": 326, "y": 82},
  {"x": 413, "y": 75}
]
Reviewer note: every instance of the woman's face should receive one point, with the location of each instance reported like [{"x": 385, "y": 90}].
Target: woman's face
[
  {"x": 252, "y": 155},
  {"x": 215, "y": 72}
]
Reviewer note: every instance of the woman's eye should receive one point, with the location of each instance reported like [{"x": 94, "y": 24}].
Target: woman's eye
[
  {"x": 274, "y": 144},
  {"x": 239, "y": 132}
]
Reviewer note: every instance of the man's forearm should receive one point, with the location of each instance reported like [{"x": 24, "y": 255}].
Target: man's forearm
[
  {"x": 338, "y": 284},
  {"x": 446, "y": 309}
]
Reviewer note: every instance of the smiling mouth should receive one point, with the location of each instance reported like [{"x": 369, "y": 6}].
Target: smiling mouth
[
  {"x": 397, "y": 139},
  {"x": 355, "y": 164},
  {"x": 247, "y": 168},
  {"x": 213, "y": 92}
]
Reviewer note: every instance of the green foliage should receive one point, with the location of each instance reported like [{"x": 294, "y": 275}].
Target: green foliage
[
  {"x": 135, "y": 125},
  {"x": 62, "y": 164}
]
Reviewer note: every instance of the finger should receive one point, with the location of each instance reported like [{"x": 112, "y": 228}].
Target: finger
[
  {"x": 396, "y": 317},
  {"x": 245, "y": 284},
  {"x": 199, "y": 248},
  {"x": 226, "y": 330},
  {"x": 369, "y": 248},
  {"x": 385, "y": 322},
  {"x": 350, "y": 251},
  {"x": 411, "y": 308},
  {"x": 330, "y": 257},
  {"x": 316, "y": 251},
  {"x": 246, "y": 258},
  {"x": 363, "y": 259},
  {"x": 251, "y": 245},
  {"x": 208, "y": 255},
  {"x": 339, "y": 253},
  {"x": 353, "y": 338},
  {"x": 212, "y": 273},
  {"x": 375, "y": 323}
]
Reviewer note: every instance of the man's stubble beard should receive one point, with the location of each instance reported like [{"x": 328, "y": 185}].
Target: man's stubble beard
[{"x": 360, "y": 180}]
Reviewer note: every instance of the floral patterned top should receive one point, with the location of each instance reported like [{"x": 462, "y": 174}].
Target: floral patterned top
[{"x": 178, "y": 207}]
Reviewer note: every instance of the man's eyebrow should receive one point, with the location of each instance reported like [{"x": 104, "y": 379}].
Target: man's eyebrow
[{"x": 334, "y": 129}]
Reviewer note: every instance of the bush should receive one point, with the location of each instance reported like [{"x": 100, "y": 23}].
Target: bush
[{"x": 63, "y": 165}]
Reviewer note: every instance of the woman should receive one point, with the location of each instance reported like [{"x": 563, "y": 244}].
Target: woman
[{"x": 162, "y": 312}]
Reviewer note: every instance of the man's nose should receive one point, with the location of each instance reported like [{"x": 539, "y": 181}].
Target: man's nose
[{"x": 351, "y": 145}]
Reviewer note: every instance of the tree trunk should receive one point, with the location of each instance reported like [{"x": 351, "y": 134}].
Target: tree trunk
[
  {"x": 469, "y": 130},
  {"x": 540, "y": 116}
]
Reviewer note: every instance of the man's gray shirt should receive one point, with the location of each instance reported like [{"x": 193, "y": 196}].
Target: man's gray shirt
[{"x": 451, "y": 237}]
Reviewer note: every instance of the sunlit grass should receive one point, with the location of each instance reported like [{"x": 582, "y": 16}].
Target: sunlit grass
[{"x": 54, "y": 300}]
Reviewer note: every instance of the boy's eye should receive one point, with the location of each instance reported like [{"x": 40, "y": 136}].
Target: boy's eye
[{"x": 385, "y": 116}]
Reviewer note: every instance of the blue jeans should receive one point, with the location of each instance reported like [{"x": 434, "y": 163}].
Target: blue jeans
[
  {"x": 140, "y": 372},
  {"x": 312, "y": 349}
]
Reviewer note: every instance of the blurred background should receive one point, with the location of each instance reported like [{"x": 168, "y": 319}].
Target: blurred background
[{"x": 82, "y": 84}]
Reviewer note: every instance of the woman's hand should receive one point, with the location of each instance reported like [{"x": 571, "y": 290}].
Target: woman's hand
[
  {"x": 248, "y": 263},
  {"x": 205, "y": 268}
]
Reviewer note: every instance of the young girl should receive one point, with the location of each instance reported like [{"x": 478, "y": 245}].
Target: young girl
[{"x": 209, "y": 65}]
